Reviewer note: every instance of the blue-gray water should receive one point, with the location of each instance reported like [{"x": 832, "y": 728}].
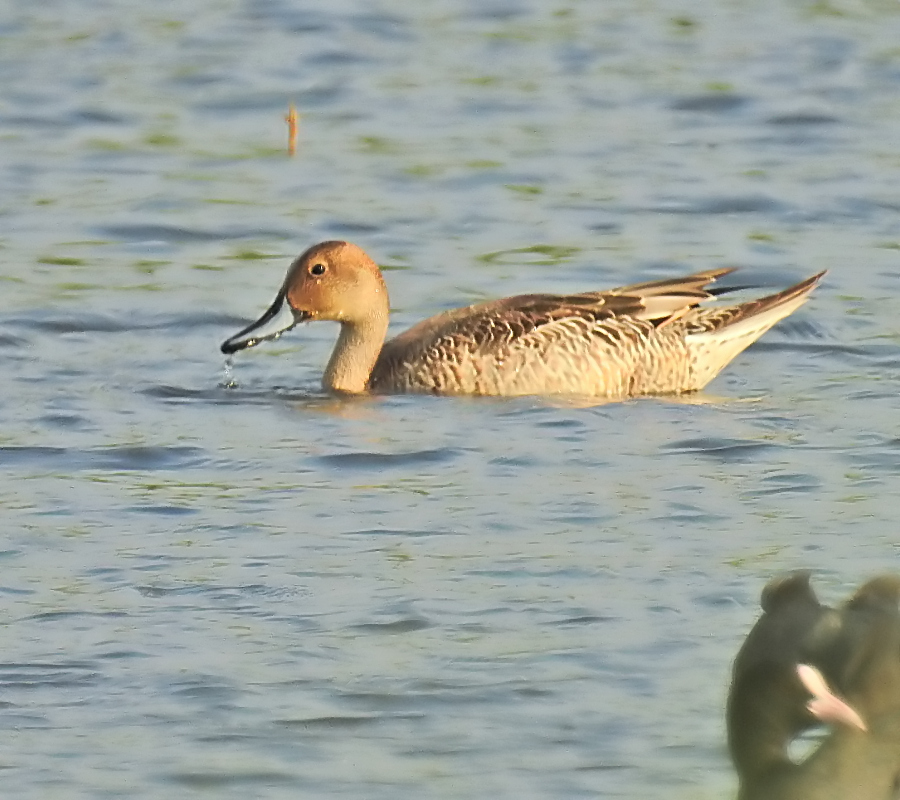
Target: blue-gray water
[{"x": 258, "y": 591}]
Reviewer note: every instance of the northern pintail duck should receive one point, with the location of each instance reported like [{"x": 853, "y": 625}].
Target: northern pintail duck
[
  {"x": 782, "y": 685},
  {"x": 649, "y": 338}
]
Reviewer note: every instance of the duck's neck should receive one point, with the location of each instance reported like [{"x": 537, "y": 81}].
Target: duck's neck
[
  {"x": 355, "y": 353},
  {"x": 761, "y": 725},
  {"x": 761, "y": 758}
]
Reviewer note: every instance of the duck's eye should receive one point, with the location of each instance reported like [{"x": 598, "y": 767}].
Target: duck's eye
[{"x": 317, "y": 269}]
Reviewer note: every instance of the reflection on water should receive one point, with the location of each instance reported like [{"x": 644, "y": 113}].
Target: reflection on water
[{"x": 228, "y": 581}]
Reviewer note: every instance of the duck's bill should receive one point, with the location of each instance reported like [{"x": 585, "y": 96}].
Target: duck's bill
[
  {"x": 277, "y": 320},
  {"x": 825, "y": 705}
]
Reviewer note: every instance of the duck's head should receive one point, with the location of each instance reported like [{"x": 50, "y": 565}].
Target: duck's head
[{"x": 330, "y": 281}]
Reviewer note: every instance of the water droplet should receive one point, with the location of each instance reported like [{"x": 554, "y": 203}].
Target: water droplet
[{"x": 228, "y": 381}]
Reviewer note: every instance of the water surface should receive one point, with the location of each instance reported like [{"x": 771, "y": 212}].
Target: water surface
[{"x": 261, "y": 591}]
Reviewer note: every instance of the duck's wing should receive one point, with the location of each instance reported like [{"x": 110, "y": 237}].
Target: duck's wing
[
  {"x": 667, "y": 297},
  {"x": 486, "y": 326}
]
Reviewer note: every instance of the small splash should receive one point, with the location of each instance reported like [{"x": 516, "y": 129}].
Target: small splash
[{"x": 228, "y": 381}]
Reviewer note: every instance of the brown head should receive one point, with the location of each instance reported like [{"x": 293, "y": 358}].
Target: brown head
[
  {"x": 336, "y": 281},
  {"x": 331, "y": 281}
]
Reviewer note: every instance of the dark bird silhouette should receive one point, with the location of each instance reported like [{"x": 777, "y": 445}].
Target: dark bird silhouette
[{"x": 855, "y": 650}]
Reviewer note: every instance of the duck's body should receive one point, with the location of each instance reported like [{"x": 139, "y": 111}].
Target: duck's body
[
  {"x": 857, "y": 649},
  {"x": 850, "y": 764},
  {"x": 650, "y": 338}
]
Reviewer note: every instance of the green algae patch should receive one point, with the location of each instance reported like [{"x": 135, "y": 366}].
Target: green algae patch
[
  {"x": 62, "y": 261},
  {"x": 253, "y": 255},
  {"x": 379, "y": 145},
  {"x": 540, "y": 254},
  {"x": 162, "y": 140},
  {"x": 524, "y": 188}
]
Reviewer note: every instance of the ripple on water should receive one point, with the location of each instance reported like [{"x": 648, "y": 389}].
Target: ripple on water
[
  {"x": 405, "y": 625},
  {"x": 8, "y": 340},
  {"x": 324, "y": 93},
  {"x": 51, "y": 321},
  {"x": 54, "y": 616},
  {"x": 800, "y": 118},
  {"x": 227, "y": 595},
  {"x": 406, "y": 533},
  {"x": 176, "y": 235},
  {"x": 69, "y": 422},
  {"x": 223, "y": 778},
  {"x": 717, "y": 103},
  {"x": 343, "y": 722},
  {"x": 369, "y": 461},
  {"x": 231, "y": 393},
  {"x": 163, "y": 510},
  {"x": 720, "y": 449},
  {"x": 705, "y": 206},
  {"x": 881, "y": 456},
  {"x": 35, "y": 675},
  {"x": 785, "y": 483},
  {"x": 104, "y": 458}
]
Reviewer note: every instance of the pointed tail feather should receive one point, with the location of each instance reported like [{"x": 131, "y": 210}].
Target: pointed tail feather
[{"x": 717, "y": 335}]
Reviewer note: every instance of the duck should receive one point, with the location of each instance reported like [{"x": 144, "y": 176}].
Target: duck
[
  {"x": 805, "y": 663},
  {"x": 644, "y": 339}
]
